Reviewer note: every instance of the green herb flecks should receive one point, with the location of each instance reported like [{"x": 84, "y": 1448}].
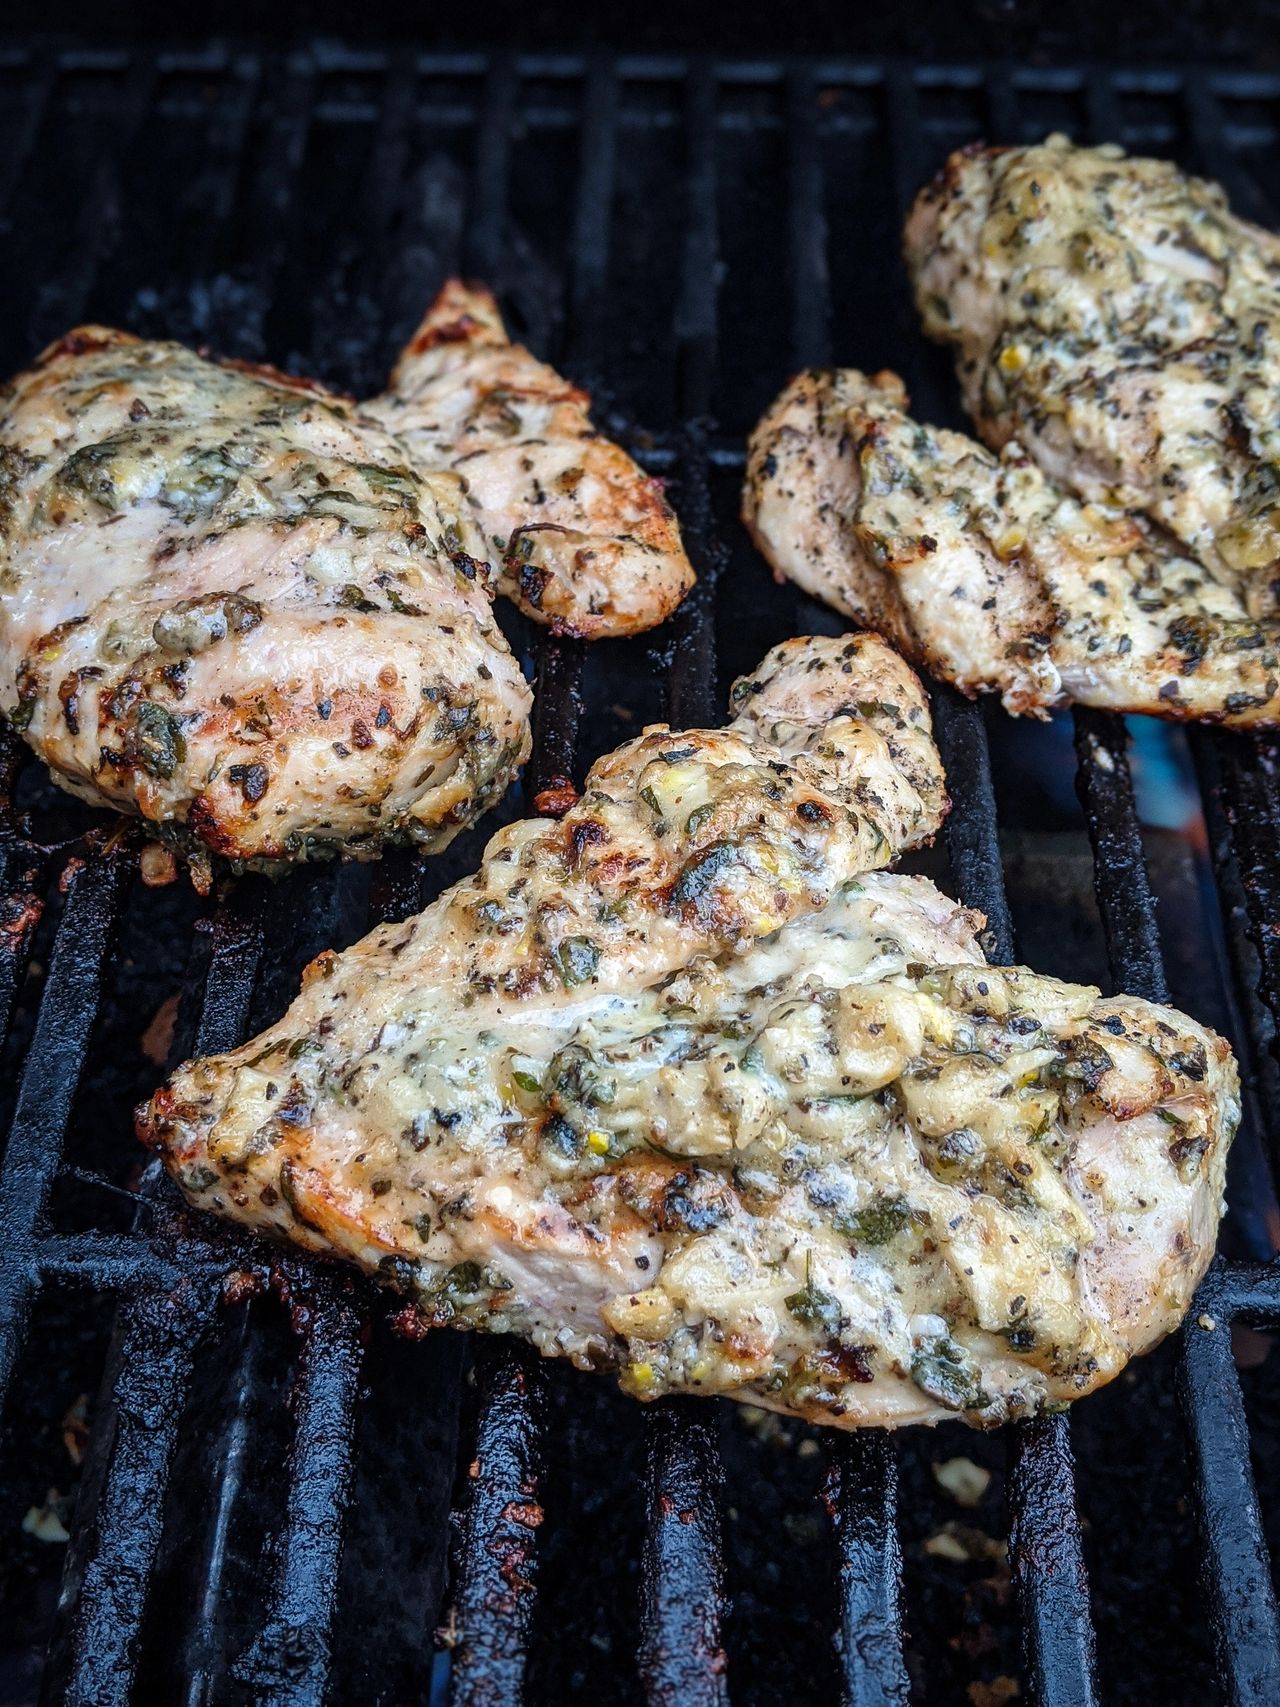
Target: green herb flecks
[
  {"x": 877, "y": 1222},
  {"x": 155, "y": 742},
  {"x": 812, "y": 1306},
  {"x": 576, "y": 959},
  {"x": 942, "y": 1370},
  {"x": 697, "y": 880}
]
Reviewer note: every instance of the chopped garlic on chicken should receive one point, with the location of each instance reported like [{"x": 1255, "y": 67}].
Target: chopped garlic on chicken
[
  {"x": 679, "y": 1087},
  {"x": 227, "y": 605},
  {"x": 1114, "y": 316},
  {"x": 984, "y": 570},
  {"x": 585, "y": 540}
]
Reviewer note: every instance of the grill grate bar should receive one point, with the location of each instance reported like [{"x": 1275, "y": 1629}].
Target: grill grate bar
[
  {"x": 146, "y": 1382},
  {"x": 680, "y": 1623},
  {"x": 239, "y": 937},
  {"x": 111, "y": 1262},
  {"x": 1243, "y": 1291},
  {"x": 73, "y": 990},
  {"x": 494, "y": 1595},
  {"x": 682, "y": 1662},
  {"x": 862, "y": 1499},
  {"x": 807, "y": 249},
  {"x": 682, "y": 1590},
  {"x": 61, "y": 303},
  {"x": 215, "y": 194},
  {"x": 199, "y": 1648},
  {"x": 1214, "y": 156},
  {"x": 1258, "y": 1066},
  {"x": 862, "y": 1470},
  {"x": 493, "y": 1608},
  {"x": 288, "y": 1664},
  {"x": 1236, "y": 1566},
  {"x": 486, "y": 227},
  {"x": 1123, "y": 889},
  {"x": 1048, "y": 1565},
  {"x": 1238, "y": 776},
  {"x": 557, "y": 713},
  {"x": 691, "y": 699},
  {"x": 148, "y": 1373},
  {"x": 22, "y": 884},
  {"x": 589, "y": 277},
  {"x": 41, "y": 80},
  {"x": 274, "y": 210},
  {"x": 360, "y": 252},
  {"x": 699, "y": 265},
  {"x": 973, "y": 840},
  {"x": 1250, "y": 801}
]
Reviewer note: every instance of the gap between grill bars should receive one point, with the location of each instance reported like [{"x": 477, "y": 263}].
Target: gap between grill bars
[{"x": 168, "y": 1277}]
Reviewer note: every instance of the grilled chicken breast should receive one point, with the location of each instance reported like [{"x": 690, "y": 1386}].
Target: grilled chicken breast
[
  {"x": 1115, "y": 317},
  {"x": 984, "y": 569},
  {"x": 228, "y": 605},
  {"x": 679, "y": 1086},
  {"x": 239, "y": 606},
  {"x": 585, "y": 540}
]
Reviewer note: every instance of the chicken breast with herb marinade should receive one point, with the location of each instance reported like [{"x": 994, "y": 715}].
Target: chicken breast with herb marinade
[
  {"x": 585, "y": 542},
  {"x": 985, "y": 570},
  {"x": 229, "y": 606},
  {"x": 684, "y": 1087},
  {"x": 238, "y": 606},
  {"x": 1116, "y": 318}
]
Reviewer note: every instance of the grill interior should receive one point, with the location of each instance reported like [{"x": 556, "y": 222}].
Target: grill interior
[{"x": 263, "y": 1510}]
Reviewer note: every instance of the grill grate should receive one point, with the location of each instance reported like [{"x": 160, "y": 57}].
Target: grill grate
[{"x": 681, "y": 230}]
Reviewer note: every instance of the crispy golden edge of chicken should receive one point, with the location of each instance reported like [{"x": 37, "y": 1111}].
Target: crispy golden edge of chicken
[
  {"x": 984, "y": 571},
  {"x": 586, "y": 541}
]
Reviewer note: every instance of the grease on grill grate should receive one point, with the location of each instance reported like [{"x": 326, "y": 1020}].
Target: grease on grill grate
[{"x": 263, "y": 1506}]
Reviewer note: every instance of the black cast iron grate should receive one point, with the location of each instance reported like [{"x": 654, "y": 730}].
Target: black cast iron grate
[{"x": 684, "y": 233}]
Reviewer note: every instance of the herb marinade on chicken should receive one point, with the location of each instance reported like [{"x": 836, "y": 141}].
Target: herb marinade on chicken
[
  {"x": 684, "y": 1086},
  {"x": 237, "y": 605},
  {"x": 985, "y": 570},
  {"x": 584, "y": 541},
  {"x": 228, "y": 605},
  {"x": 1115, "y": 317}
]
